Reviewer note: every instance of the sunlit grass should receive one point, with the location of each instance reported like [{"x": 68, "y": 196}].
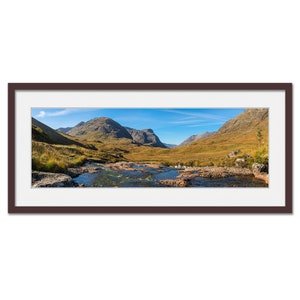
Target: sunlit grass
[
  {"x": 210, "y": 151},
  {"x": 56, "y": 158}
]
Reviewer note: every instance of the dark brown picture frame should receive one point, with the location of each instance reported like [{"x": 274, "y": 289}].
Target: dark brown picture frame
[{"x": 13, "y": 87}]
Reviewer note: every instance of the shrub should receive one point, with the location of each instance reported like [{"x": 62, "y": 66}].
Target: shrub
[
  {"x": 55, "y": 166},
  {"x": 79, "y": 161},
  {"x": 36, "y": 164},
  {"x": 261, "y": 156},
  {"x": 261, "y": 160}
]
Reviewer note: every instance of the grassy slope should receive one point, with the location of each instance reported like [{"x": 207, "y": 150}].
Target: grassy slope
[
  {"x": 44, "y": 133},
  {"x": 214, "y": 149},
  {"x": 57, "y": 158},
  {"x": 54, "y": 151}
]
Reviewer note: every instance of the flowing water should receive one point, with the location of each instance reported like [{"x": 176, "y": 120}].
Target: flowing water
[{"x": 145, "y": 176}]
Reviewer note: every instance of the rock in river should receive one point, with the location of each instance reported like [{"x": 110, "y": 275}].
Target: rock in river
[
  {"x": 45, "y": 179},
  {"x": 177, "y": 183}
]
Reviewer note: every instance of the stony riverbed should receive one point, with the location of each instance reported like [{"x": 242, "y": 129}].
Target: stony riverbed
[{"x": 126, "y": 174}]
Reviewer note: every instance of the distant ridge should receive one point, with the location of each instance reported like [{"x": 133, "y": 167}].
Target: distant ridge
[
  {"x": 196, "y": 137},
  {"x": 64, "y": 129},
  {"x": 170, "y": 145}
]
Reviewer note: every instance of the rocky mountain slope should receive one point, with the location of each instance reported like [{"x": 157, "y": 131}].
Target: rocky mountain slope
[
  {"x": 145, "y": 137},
  {"x": 246, "y": 121},
  {"x": 99, "y": 128}
]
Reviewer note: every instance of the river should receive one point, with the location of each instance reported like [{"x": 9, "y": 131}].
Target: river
[{"x": 141, "y": 175}]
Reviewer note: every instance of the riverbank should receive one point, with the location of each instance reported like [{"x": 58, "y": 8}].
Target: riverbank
[
  {"x": 48, "y": 179},
  {"x": 190, "y": 173}
]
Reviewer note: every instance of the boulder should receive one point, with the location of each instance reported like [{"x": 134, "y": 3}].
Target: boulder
[
  {"x": 260, "y": 168},
  {"x": 240, "y": 162},
  {"x": 175, "y": 182},
  {"x": 45, "y": 179},
  {"x": 233, "y": 153}
]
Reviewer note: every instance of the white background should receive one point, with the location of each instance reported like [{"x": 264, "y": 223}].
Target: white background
[
  {"x": 274, "y": 195},
  {"x": 148, "y": 256}
]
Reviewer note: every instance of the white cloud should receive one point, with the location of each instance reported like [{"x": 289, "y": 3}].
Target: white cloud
[
  {"x": 194, "y": 115},
  {"x": 203, "y": 125},
  {"x": 41, "y": 114},
  {"x": 62, "y": 112},
  {"x": 196, "y": 119}
]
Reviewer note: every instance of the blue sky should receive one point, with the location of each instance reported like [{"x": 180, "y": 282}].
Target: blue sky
[{"x": 172, "y": 125}]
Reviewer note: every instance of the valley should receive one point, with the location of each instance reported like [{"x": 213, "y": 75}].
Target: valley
[{"x": 234, "y": 155}]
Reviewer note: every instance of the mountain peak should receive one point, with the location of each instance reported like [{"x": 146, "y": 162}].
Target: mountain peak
[
  {"x": 249, "y": 118},
  {"x": 79, "y": 124},
  {"x": 98, "y": 128}
]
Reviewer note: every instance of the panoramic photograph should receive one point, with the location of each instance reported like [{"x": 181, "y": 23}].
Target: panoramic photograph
[{"x": 150, "y": 147}]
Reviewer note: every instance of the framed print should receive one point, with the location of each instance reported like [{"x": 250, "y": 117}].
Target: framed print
[{"x": 150, "y": 147}]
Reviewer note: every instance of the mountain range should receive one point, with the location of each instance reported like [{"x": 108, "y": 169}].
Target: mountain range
[
  {"x": 103, "y": 127},
  {"x": 106, "y": 128},
  {"x": 106, "y": 140}
]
